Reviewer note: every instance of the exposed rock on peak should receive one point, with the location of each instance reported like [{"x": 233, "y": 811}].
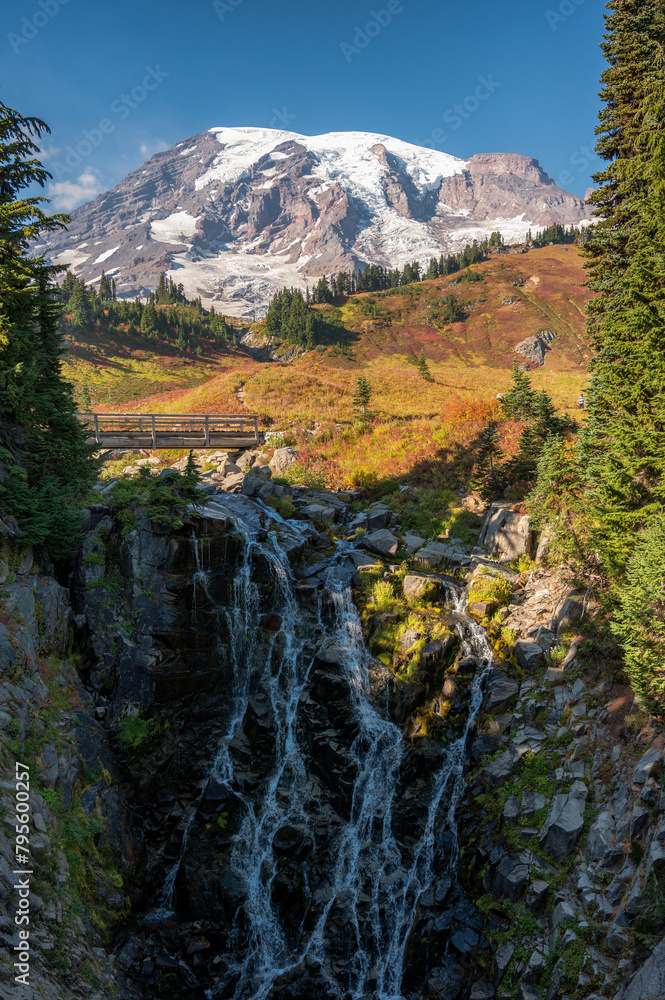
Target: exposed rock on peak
[{"x": 235, "y": 213}]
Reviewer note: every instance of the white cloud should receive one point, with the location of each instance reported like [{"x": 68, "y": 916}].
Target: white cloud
[
  {"x": 152, "y": 145},
  {"x": 67, "y": 195},
  {"x": 48, "y": 152}
]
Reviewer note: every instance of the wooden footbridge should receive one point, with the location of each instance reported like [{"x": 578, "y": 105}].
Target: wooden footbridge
[{"x": 135, "y": 431}]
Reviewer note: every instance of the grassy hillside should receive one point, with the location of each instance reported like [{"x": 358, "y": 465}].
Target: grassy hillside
[{"x": 414, "y": 424}]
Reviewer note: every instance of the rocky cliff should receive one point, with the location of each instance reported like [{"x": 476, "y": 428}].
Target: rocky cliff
[{"x": 247, "y": 782}]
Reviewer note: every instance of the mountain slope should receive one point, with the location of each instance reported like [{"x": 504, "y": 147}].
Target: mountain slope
[
  {"x": 521, "y": 297},
  {"x": 234, "y": 213}
]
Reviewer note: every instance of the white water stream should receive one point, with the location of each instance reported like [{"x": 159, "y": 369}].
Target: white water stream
[{"x": 372, "y": 879}]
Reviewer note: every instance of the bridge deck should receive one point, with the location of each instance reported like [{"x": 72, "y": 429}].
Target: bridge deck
[{"x": 226, "y": 432}]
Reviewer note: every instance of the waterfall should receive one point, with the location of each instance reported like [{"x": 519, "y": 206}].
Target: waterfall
[{"x": 375, "y": 881}]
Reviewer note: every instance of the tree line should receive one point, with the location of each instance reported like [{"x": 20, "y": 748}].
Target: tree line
[
  {"x": 376, "y": 278},
  {"x": 184, "y": 324}
]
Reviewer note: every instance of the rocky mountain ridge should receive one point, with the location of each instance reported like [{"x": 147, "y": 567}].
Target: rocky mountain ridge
[{"x": 235, "y": 213}]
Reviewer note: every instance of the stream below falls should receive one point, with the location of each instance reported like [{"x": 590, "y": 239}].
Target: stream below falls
[{"x": 331, "y": 850}]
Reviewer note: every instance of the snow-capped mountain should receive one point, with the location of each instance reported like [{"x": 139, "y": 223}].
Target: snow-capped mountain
[{"x": 235, "y": 213}]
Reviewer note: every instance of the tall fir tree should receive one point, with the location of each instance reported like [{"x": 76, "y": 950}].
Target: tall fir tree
[
  {"x": 624, "y": 445},
  {"x": 519, "y": 403},
  {"x": 47, "y": 463},
  {"x": 363, "y": 395},
  {"x": 423, "y": 367}
]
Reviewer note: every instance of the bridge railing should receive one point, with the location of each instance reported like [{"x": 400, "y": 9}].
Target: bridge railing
[{"x": 151, "y": 428}]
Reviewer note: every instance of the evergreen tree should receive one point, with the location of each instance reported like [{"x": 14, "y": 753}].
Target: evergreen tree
[
  {"x": 519, "y": 403},
  {"x": 363, "y": 395},
  {"x": 42, "y": 444},
  {"x": 624, "y": 444},
  {"x": 486, "y": 478},
  {"x": 80, "y": 307},
  {"x": 423, "y": 368},
  {"x": 639, "y": 620},
  {"x": 432, "y": 270}
]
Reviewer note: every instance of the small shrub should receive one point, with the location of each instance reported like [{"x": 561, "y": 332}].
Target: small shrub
[{"x": 490, "y": 588}]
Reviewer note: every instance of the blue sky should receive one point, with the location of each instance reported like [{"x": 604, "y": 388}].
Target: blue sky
[{"x": 118, "y": 82}]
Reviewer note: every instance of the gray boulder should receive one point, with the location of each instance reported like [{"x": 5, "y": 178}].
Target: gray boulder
[
  {"x": 510, "y": 880},
  {"x": 378, "y": 516},
  {"x": 233, "y": 482},
  {"x": 565, "y": 821},
  {"x": 431, "y": 555},
  {"x": 502, "y": 960},
  {"x": 383, "y": 542},
  {"x": 501, "y": 691},
  {"x": 656, "y": 858},
  {"x": 412, "y": 543},
  {"x": 601, "y": 843},
  {"x": 649, "y": 762},
  {"x": 320, "y": 512},
  {"x": 416, "y": 586},
  {"x": 497, "y": 772},
  {"x": 48, "y": 766},
  {"x": 529, "y": 655},
  {"x": 510, "y": 810},
  {"x": 282, "y": 459},
  {"x": 506, "y": 533},
  {"x": 649, "y": 981}
]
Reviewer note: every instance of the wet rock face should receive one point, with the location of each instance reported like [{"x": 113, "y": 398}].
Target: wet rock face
[{"x": 287, "y": 787}]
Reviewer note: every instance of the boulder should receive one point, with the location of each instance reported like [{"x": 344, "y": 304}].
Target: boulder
[
  {"x": 227, "y": 468},
  {"x": 651, "y": 761},
  {"x": 233, "y": 482},
  {"x": 601, "y": 843},
  {"x": 321, "y": 513},
  {"x": 383, "y": 542},
  {"x": 510, "y": 810},
  {"x": 649, "y": 980},
  {"x": 48, "y": 766},
  {"x": 565, "y": 821},
  {"x": 532, "y": 802},
  {"x": 282, "y": 459},
  {"x": 483, "y": 745},
  {"x": 436, "y": 651},
  {"x": 431, "y": 555},
  {"x": 501, "y": 691},
  {"x": 638, "y": 822},
  {"x": 562, "y": 912},
  {"x": 378, "y": 516},
  {"x": 506, "y": 533},
  {"x": 418, "y": 586},
  {"x": 502, "y": 960},
  {"x": 483, "y": 609},
  {"x": 656, "y": 857},
  {"x": 510, "y": 880},
  {"x": 537, "y": 894},
  {"x": 529, "y": 655},
  {"x": 412, "y": 543},
  {"x": 497, "y": 772},
  {"x": 246, "y": 461}
]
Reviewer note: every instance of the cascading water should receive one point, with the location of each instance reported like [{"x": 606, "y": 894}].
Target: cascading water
[{"x": 373, "y": 880}]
